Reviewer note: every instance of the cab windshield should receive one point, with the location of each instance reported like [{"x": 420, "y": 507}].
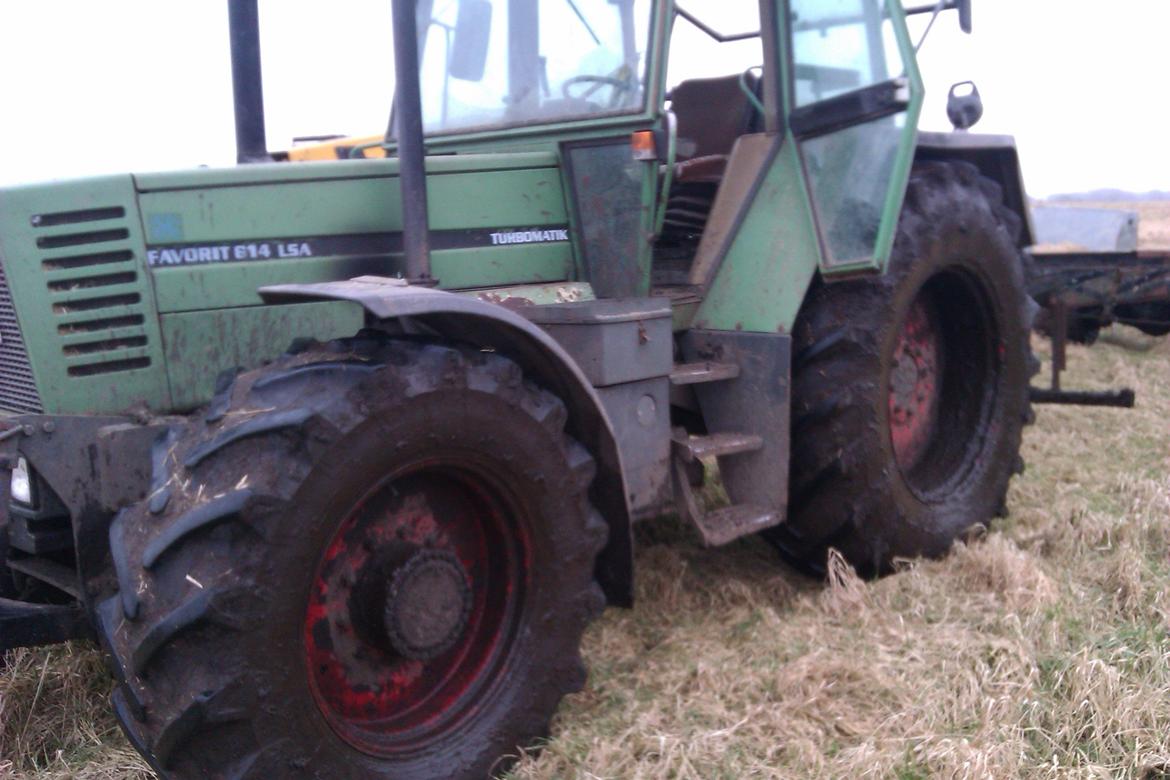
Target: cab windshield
[
  {"x": 840, "y": 46},
  {"x": 489, "y": 64}
]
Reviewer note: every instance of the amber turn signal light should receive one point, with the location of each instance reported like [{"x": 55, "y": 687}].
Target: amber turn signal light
[{"x": 642, "y": 145}]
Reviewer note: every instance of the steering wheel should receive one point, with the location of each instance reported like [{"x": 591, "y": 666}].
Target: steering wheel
[{"x": 619, "y": 85}]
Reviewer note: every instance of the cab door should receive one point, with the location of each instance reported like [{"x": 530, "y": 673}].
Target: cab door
[{"x": 852, "y": 95}]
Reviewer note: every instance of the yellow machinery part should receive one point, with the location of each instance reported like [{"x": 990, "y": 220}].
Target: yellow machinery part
[{"x": 337, "y": 149}]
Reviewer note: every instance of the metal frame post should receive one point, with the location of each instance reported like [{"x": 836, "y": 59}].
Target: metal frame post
[{"x": 408, "y": 117}]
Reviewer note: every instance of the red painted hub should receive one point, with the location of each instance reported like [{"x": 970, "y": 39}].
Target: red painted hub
[
  {"x": 413, "y": 607},
  {"x": 914, "y": 385}
]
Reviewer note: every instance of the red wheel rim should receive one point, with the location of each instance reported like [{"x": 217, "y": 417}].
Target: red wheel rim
[
  {"x": 435, "y": 541},
  {"x": 915, "y": 384}
]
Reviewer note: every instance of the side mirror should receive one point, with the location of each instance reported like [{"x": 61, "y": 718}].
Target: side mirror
[
  {"x": 469, "y": 48},
  {"x": 964, "y": 7},
  {"x": 964, "y": 105}
]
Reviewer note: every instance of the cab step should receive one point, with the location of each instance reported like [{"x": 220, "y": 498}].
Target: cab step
[
  {"x": 737, "y": 382},
  {"x": 692, "y": 448},
  {"x": 719, "y": 526},
  {"x": 731, "y": 522},
  {"x": 702, "y": 372}
]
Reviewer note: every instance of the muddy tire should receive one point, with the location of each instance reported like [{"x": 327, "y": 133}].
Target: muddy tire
[
  {"x": 373, "y": 558},
  {"x": 910, "y": 390}
]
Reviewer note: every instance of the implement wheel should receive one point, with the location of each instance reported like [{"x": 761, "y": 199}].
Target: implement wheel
[
  {"x": 910, "y": 389},
  {"x": 370, "y": 559}
]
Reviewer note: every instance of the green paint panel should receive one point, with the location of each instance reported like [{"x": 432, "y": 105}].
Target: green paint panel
[
  {"x": 279, "y": 173},
  {"x": 201, "y": 345},
  {"x": 74, "y": 261},
  {"x": 458, "y": 200},
  {"x": 229, "y": 285},
  {"x": 235, "y": 284},
  {"x": 505, "y": 265},
  {"x": 88, "y": 304},
  {"x": 762, "y": 280},
  {"x": 487, "y": 199}
]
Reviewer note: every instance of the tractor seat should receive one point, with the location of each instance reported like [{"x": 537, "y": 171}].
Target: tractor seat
[{"x": 711, "y": 114}]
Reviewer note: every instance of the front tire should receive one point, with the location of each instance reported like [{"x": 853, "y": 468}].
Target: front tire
[
  {"x": 372, "y": 559},
  {"x": 910, "y": 390}
]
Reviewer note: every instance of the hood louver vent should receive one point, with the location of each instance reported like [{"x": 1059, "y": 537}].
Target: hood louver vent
[{"x": 95, "y": 290}]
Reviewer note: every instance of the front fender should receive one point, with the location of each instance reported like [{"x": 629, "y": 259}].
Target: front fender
[{"x": 467, "y": 319}]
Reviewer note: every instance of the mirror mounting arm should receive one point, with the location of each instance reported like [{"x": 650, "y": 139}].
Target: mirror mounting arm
[{"x": 963, "y": 6}]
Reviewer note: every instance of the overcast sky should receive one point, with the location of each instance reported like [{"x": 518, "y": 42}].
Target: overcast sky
[{"x": 95, "y": 86}]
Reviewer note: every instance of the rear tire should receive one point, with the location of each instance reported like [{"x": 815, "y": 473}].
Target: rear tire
[
  {"x": 910, "y": 389},
  {"x": 371, "y": 559}
]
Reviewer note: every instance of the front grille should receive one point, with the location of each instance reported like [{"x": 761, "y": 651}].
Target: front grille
[{"x": 18, "y": 390}]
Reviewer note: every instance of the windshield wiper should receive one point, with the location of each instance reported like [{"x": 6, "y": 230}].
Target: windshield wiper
[{"x": 581, "y": 16}]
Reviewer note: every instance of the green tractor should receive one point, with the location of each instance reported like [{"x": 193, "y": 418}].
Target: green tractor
[{"x": 337, "y": 460}]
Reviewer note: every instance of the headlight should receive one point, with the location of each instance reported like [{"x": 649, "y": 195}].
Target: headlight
[{"x": 21, "y": 484}]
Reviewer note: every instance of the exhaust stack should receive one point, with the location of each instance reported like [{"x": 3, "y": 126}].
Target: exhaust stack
[
  {"x": 408, "y": 117},
  {"x": 247, "y": 86}
]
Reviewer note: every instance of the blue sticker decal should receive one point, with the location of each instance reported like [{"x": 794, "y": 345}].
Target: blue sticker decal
[{"x": 164, "y": 227}]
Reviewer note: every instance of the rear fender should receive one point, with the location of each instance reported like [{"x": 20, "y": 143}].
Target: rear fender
[
  {"x": 463, "y": 318},
  {"x": 996, "y": 158}
]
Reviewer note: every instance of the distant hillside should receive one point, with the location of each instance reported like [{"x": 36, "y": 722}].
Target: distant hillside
[{"x": 1107, "y": 195}]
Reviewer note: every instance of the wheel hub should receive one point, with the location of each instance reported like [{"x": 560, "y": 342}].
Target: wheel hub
[
  {"x": 427, "y": 604},
  {"x": 413, "y": 607},
  {"x": 914, "y": 385}
]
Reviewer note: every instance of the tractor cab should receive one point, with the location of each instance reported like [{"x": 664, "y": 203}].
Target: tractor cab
[{"x": 667, "y": 124}]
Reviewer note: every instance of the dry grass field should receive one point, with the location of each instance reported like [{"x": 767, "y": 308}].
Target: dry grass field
[{"x": 1039, "y": 650}]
